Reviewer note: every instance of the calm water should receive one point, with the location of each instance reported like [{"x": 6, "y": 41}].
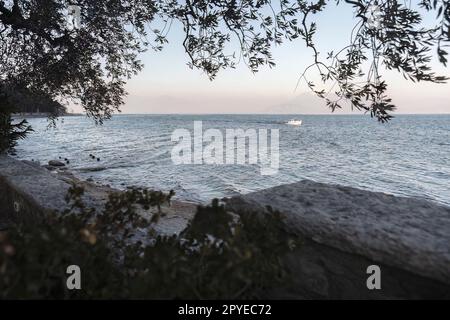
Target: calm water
[{"x": 408, "y": 157}]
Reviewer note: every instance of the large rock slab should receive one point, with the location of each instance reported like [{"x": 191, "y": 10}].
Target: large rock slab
[{"x": 403, "y": 233}]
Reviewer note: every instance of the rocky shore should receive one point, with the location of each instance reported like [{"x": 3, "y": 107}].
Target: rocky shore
[
  {"x": 30, "y": 189},
  {"x": 345, "y": 231},
  {"x": 348, "y": 229}
]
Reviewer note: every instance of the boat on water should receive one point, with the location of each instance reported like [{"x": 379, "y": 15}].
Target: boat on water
[{"x": 294, "y": 122}]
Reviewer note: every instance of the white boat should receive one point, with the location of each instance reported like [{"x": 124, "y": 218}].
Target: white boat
[{"x": 294, "y": 122}]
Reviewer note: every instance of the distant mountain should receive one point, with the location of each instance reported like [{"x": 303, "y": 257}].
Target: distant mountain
[{"x": 304, "y": 103}]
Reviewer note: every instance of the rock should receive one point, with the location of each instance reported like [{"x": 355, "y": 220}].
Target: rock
[
  {"x": 32, "y": 163},
  {"x": 56, "y": 163},
  {"x": 344, "y": 231},
  {"x": 39, "y": 192},
  {"x": 347, "y": 229}
]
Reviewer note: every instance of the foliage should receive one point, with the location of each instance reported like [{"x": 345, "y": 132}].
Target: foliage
[
  {"x": 394, "y": 37},
  {"x": 34, "y": 259},
  {"x": 91, "y": 63},
  {"x": 10, "y": 132},
  {"x": 24, "y": 100},
  {"x": 219, "y": 255}
]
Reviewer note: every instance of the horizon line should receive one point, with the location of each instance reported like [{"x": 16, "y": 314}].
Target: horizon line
[{"x": 276, "y": 114}]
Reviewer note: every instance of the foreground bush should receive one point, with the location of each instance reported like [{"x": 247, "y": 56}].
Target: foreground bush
[
  {"x": 219, "y": 255},
  {"x": 10, "y": 131}
]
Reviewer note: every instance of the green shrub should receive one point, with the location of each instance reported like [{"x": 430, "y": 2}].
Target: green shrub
[
  {"x": 219, "y": 255},
  {"x": 10, "y": 131}
]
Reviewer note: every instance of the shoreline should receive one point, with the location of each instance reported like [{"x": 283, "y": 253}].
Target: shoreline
[
  {"x": 77, "y": 173},
  {"x": 45, "y": 188},
  {"x": 42, "y": 115},
  {"x": 344, "y": 229}
]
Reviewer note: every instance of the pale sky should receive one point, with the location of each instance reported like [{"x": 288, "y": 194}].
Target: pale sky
[{"x": 168, "y": 85}]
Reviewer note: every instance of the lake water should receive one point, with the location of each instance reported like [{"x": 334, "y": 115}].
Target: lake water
[{"x": 410, "y": 156}]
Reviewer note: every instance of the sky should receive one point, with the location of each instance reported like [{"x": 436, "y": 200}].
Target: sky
[{"x": 168, "y": 85}]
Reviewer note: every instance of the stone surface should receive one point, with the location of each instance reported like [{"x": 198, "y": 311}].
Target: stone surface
[
  {"x": 344, "y": 230},
  {"x": 322, "y": 272},
  {"x": 56, "y": 163},
  {"x": 28, "y": 191},
  {"x": 404, "y": 233}
]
